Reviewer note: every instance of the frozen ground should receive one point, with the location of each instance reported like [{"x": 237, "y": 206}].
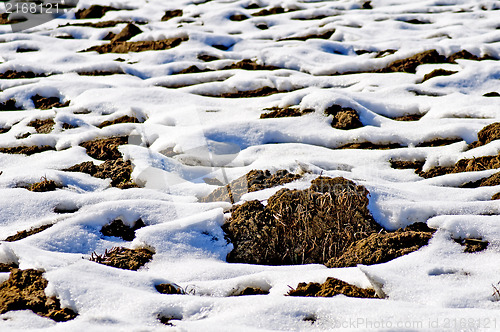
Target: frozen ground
[{"x": 436, "y": 288}]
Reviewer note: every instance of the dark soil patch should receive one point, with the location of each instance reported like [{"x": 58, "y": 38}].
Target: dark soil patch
[
  {"x": 3, "y": 130},
  {"x": 9, "y": 105},
  {"x": 438, "y": 72},
  {"x": 344, "y": 117},
  {"x": 4, "y": 267},
  {"x": 191, "y": 70},
  {"x": 4, "y": 19},
  {"x": 123, "y": 258},
  {"x": 324, "y": 35},
  {"x": 119, "y": 229},
  {"x": 94, "y": 11},
  {"x": 262, "y": 26},
  {"x": 67, "y": 126},
  {"x": 24, "y": 234},
  {"x": 414, "y": 21},
  {"x": 277, "y": 112},
  {"x": 251, "y": 291},
  {"x": 171, "y": 14},
  {"x": 261, "y": 92},
  {"x": 46, "y": 103},
  {"x": 492, "y": 94},
  {"x": 128, "y": 32},
  {"x": 122, "y": 119},
  {"x": 103, "y": 24},
  {"x": 139, "y": 46},
  {"x": 44, "y": 185},
  {"x": 407, "y": 164},
  {"x": 247, "y": 64},
  {"x": 462, "y": 55},
  {"x": 238, "y": 17},
  {"x": 367, "y": 5},
  {"x": 469, "y": 165},
  {"x": 271, "y": 11},
  {"x": 25, "y": 289},
  {"x": 308, "y": 18},
  {"x": 207, "y": 57},
  {"x": 221, "y": 47},
  {"x": 493, "y": 180},
  {"x": 409, "y": 65},
  {"x": 301, "y": 226},
  {"x": 486, "y": 135},
  {"x": 473, "y": 245},
  {"x": 63, "y": 210},
  {"x": 409, "y": 117},
  {"x": 26, "y": 50},
  {"x": 27, "y": 150},
  {"x": 495, "y": 197},
  {"x": 329, "y": 288},
  {"x": 382, "y": 247},
  {"x": 42, "y": 126},
  {"x": 100, "y": 72},
  {"x": 439, "y": 142},
  {"x": 254, "y": 180},
  {"x": 105, "y": 148},
  {"x": 12, "y": 74},
  {"x": 371, "y": 146},
  {"x": 117, "y": 170},
  {"x": 169, "y": 289}
]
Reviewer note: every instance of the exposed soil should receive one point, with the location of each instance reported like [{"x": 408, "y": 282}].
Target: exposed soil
[
  {"x": 407, "y": 164},
  {"x": 415, "y": 21},
  {"x": 4, "y": 19},
  {"x": 46, "y": 103},
  {"x": 12, "y": 74},
  {"x": 207, "y": 57},
  {"x": 128, "y": 32},
  {"x": 438, "y": 72},
  {"x": 25, "y": 289},
  {"x": 44, "y": 185},
  {"x": 301, "y": 226},
  {"x": 119, "y": 229},
  {"x": 102, "y": 24},
  {"x": 3, "y": 130},
  {"x": 344, "y": 117},
  {"x": 324, "y": 35},
  {"x": 439, "y": 142},
  {"x": 409, "y": 117},
  {"x": 410, "y": 64},
  {"x": 100, "y": 72},
  {"x": 62, "y": 210},
  {"x": 238, "y": 17},
  {"x": 465, "y": 165},
  {"x": 261, "y": 92},
  {"x": 492, "y": 180},
  {"x": 251, "y": 291},
  {"x": 486, "y": 135},
  {"x": 254, "y": 180},
  {"x": 371, "y": 146},
  {"x": 42, "y": 126},
  {"x": 124, "y": 258},
  {"x": 169, "y": 289},
  {"x": 382, "y": 247},
  {"x": 171, "y": 14},
  {"x": 248, "y": 64},
  {"x": 105, "y": 148},
  {"x": 462, "y": 55},
  {"x": 192, "y": 69},
  {"x": 496, "y": 196},
  {"x": 8, "y": 267},
  {"x": 329, "y": 288},
  {"x": 139, "y": 46},
  {"x": 276, "y": 112},
  {"x": 117, "y": 170},
  {"x": 27, "y": 150},
  {"x": 9, "y": 105},
  {"x": 271, "y": 11},
  {"x": 492, "y": 94},
  {"x": 122, "y": 119},
  {"x": 94, "y": 11},
  {"x": 24, "y": 234},
  {"x": 473, "y": 245},
  {"x": 308, "y": 18}
]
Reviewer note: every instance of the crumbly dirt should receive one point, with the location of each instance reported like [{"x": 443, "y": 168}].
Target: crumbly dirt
[
  {"x": 171, "y": 14},
  {"x": 410, "y": 64},
  {"x": 117, "y": 170},
  {"x": 94, "y": 11},
  {"x": 329, "y": 288},
  {"x": 407, "y": 164},
  {"x": 99, "y": 25},
  {"x": 344, "y": 118},
  {"x": 124, "y": 258},
  {"x": 169, "y": 289},
  {"x": 12, "y": 74},
  {"x": 128, "y": 32},
  {"x": 324, "y": 35},
  {"x": 438, "y": 72},
  {"x": 473, "y": 245},
  {"x": 8, "y": 267},
  {"x": 238, "y": 17},
  {"x": 276, "y": 112},
  {"x": 465, "y": 165},
  {"x": 139, "y": 46},
  {"x": 42, "y": 126},
  {"x": 105, "y": 148},
  {"x": 370, "y": 146},
  {"x": 261, "y": 92},
  {"x": 300, "y": 226},
  {"x": 439, "y": 142},
  {"x": 254, "y": 180},
  {"x": 251, "y": 291},
  {"x": 271, "y": 11},
  {"x": 496, "y": 196},
  {"x": 27, "y": 150},
  {"x": 462, "y": 55},
  {"x": 486, "y": 135},
  {"x": 122, "y": 119},
  {"x": 3, "y": 130},
  {"x": 9, "y": 105},
  {"x": 24, "y": 234},
  {"x": 192, "y": 69},
  {"x": 492, "y": 180},
  {"x": 100, "y": 72},
  {"x": 44, "y": 185},
  {"x": 46, "y": 103},
  {"x": 118, "y": 229},
  {"x": 25, "y": 289},
  {"x": 207, "y": 57},
  {"x": 248, "y": 64}
]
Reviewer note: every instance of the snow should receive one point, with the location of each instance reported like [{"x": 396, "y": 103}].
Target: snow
[{"x": 436, "y": 288}]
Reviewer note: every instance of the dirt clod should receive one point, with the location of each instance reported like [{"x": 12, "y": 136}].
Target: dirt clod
[
  {"x": 128, "y": 32},
  {"x": 371, "y": 146},
  {"x": 139, "y": 46},
  {"x": 42, "y": 126},
  {"x": 171, "y": 14},
  {"x": 407, "y": 164},
  {"x": 12, "y": 74},
  {"x": 105, "y": 148},
  {"x": 25, "y": 289},
  {"x": 270, "y": 11},
  {"x": 25, "y": 233},
  {"x": 324, "y": 35},
  {"x": 329, "y": 288},
  {"x": 118, "y": 171},
  {"x": 168, "y": 289},
  {"x": 492, "y": 180},
  {"x": 248, "y": 64},
  {"x": 27, "y": 150},
  {"x": 261, "y": 92},
  {"x": 123, "y": 258},
  {"x": 410, "y": 64},
  {"x": 496, "y": 196},
  {"x": 251, "y": 291},
  {"x": 7, "y": 267},
  {"x": 276, "y": 112},
  {"x": 94, "y": 11},
  {"x": 123, "y": 119},
  {"x": 473, "y": 245},
  {"x": 409, "y": 117},
  {"x": 119, "y": 229},
  {"x": 344, "y": 117},
  {"x": 44, "y": 185},
  {"x": 492, "y": 94},
  {"x": 438, "y": 72},
  {"x": 9, "y": 105},
  {"x": 486, "y": 135},
  {"x": 45, "y": 103},
  {"x": 238, "y": 17}
]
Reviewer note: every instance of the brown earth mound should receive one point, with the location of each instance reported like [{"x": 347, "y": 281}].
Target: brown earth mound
[
  {"x": 105, "y": 148},
  {"x": 3, "y": 130},
  {"x": 12, "y": 74},
  {"x": 254, "y": 180},
  {"x": 171, "y": 14},
  {"x": 371, "y": 146},
  {"x": 139, "y": 46},
  {"x": 492, "y": 94},
  {"x": 8, "y": 267},
  {"x": 251, "y": 291},
  {"x": 409, "y": 65},
  {"x": 44, "y": 185},
  {"x": 493, "y": 180},
  {"x": 277, "y": 112},
  {"x": 24, "y": 234},
  {"x": 465, "y": 165},
  {"x": 496, "y": 196},
  {"x": 486, "y": 135},
  {"x": 261, "y": 92},
  {"x": 248, "y": 64},
  {"x": 27, "y": 150},
  {"x": 100, "y": 72},
  {"x": 123, "y": 258},
  {"x": 238, "y": 17},
  {"x": 324, "y": 35},
  {"x": 301, "y": 226},
  {"x": 25, "y": 290},
  {"x": 45, "y": 103},
  {"x": 329, "y": 288},
  {"x": 207, "y": 57},
  {"x": 438, "y": 72},
  {"x": 9, "y": 105},
  {"x": 169, "y": 289},
  {"x": 473, "y": 245},
  {"x": 344, "y": 117},
  {"x": 117, "y": 170},
  {"x": 103, "y": 24},
  {"x": 119, "y": 229},
  {"x": 407, "y": 164},
  {"x": 271, "y": 11},
  {"x": 94, "y": 11},
  {"x": 123, "y": 119},
  {"x": 42, "y": 126},
  {"x": 438, "y": 142},
  {"x": 128, "y": 32}
]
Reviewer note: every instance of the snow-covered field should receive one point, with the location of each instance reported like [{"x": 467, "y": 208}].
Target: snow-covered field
[{"x": 437, "y": 288}]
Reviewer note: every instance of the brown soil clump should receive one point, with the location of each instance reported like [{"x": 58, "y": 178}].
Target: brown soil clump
[
  {"x": 324, "y": 35},
  {"x": 46, "y": 103},
  {"x": 207, "y": 57},
  {"x": 438, "y": 72},
  {"x": 169, "y": 289},
  {"x": 251, "y": 291},
  {"x": 465, "y": 165},
  {"x": 105, "y": 148},
  {"x": 370, "y": 146},
  {"x": 238, "y": 17},
  {"x": 171, "y": 14},
  {"x": 473, "y": 245},
  {"x": 128, "y": 32},
  {"x": 301, "y": 226},
  {"x": 493, "y": 180},
  {"x": 191, "y": 70},
  {"x": 122, "y": 119},
  {"x": 27, "y": 150},
  {"x": 24, "y": 234},
  {"x": 409, "y": 65},
  {"x": 486, "y": 135},
  {"x": 119, "y": 229},
  {"x": 407, "y": 164},
  {"x": 124, "y": 258},
  {"x": 8, "y": 267},
  {"x": 100, "y": 73},
  {"x": 492, "y": 94},
  {"x": 42, "y": 126},
  {"x": 254, "y": 180},
  {"x": 25, "y": 290},
  {"x": 344, "y": 118},
  {"x": 139, "y": 46},
  {"x": 247, "y": 64},
  {"x": 118, "y": 171},
  {"x": 439, "y": 142},
  {"x": 495, "y": 197},
  {"x": 103, "y": 24},
  {"x": 261, "y": 92},
  {"x": 271, "y": 11},
  {"x": 94, "y": 11},
  {"x": 329, "y": 288},
  {"x": 44, "y": 185},
  {"x": 9, "y": 105},
  {"x": 462, "y": 55},
  {"x": 12, "y": 74},
  {"x": 277, "y": 112}
]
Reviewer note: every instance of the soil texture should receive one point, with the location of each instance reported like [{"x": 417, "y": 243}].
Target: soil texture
[
  {"x": 94, "y": 11},
  {"x": 24, "y": 234},
  {"x": 119, "y": 229},
  {"x": 344, "y": 118},
  {"x": 117, "y": 170},
  {"x": 123, "y": 119},
  {"x": 46, "y": 103},
  {"x": 139, "y": 46},
  {"x": 171, "y": 14},
  {"x": 276, "y": 112},
  {"x": 42, "y": 126},
  {"x": 329, "y": 288},
  {"x": 124, "y": 258},
  {"x": 27, "y": 150},
  {"x": 169, "y": 289}
]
